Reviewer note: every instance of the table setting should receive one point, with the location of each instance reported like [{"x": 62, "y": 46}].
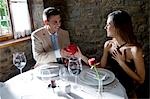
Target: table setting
[
  {"x": 33, "y": 84},
  {"x": 62, "y": 81}
]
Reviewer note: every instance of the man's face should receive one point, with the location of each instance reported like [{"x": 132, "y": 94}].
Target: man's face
[{"x": 54, "y": 23}]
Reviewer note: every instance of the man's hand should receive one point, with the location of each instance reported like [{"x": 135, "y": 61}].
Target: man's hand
[{"x": 64, "y": 53}]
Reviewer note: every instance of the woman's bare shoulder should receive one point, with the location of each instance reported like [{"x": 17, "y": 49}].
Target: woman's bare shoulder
[{"x": 136, "y": 50}]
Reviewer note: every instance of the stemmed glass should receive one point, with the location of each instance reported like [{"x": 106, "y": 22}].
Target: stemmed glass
[
  {"x": 63, "y": 74},
  {"x": 48, "y": 74},
  {"x": 19, "y": 60},
  {"x": 75, "y": 67},
  {"x": 100, "y": 88},
  {"x": 100, "y": 85}
]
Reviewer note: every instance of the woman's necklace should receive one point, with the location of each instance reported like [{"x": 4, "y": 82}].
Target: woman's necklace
[{"x": 118, "y": 47}]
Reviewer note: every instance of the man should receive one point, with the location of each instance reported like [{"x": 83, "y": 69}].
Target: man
[{"x": 48, "y": 41}]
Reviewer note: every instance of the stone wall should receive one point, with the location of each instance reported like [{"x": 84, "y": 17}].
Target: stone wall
[{"x": 36, "y": 10}]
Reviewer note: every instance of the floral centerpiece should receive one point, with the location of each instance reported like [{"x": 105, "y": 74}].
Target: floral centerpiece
[{"x": 93, "y": 64}]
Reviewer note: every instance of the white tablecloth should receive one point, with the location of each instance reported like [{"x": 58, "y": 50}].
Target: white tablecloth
[{"x": 28, "y": 86}]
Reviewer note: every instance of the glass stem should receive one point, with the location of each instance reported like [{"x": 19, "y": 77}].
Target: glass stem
[
  {"x": 20, "y": 70},
  {"x": 100, "y": 86},
  {"x": 76, "y": 78}
]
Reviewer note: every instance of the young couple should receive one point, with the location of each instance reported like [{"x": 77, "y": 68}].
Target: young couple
[{"x": 123, "y": 54}]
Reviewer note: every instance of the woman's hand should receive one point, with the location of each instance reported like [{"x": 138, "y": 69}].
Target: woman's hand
[
  {"x": 107, "y": 46},
  {"x": 92, "y": 62},
  {"x": 78, "y": 53},
  {"x": 119, "y": 57}
]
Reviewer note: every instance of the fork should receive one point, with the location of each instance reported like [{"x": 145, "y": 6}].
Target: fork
[{"x": 104, "y": 77}]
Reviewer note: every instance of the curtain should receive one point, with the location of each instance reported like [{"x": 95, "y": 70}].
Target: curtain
[{"x": 20, "y": 18}]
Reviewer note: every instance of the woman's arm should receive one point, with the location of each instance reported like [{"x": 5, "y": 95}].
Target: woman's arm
[
  {"x": 106, "y": 50},
  {"x": 139, "y": 64},
  {"x": 80, "y": 55},
  {"x": 139, "y": 74}
]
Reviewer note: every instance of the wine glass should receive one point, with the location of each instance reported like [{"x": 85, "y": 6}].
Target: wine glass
[
  {"x": 19, "y": 60},
  {"x": 63, "y": 74},
  {"x": 75, "y": 67}
]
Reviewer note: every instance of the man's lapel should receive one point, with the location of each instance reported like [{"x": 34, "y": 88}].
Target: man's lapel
[
  {"x": 60, "y": 39},
  {"x": 47, "y": 38}
]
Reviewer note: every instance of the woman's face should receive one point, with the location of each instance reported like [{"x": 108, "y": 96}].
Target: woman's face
[
  {"x": 54, "y": 23},
  {"x": 110, "y": 28}
]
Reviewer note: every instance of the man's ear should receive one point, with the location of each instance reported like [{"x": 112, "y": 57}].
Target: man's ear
[{"x": 45, "y": 22}]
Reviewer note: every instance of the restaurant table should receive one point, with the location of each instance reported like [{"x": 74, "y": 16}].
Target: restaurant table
[{"x": 28, "y": 86}]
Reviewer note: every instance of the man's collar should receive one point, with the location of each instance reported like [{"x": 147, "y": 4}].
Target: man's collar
[
  {"x": 50, "y": 32},
  {"x": 54, "y": 33}
]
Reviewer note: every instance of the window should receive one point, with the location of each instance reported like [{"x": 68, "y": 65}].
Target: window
[
  {"x": 14, "y": 19},
  {"x": 5, "y": 27}
]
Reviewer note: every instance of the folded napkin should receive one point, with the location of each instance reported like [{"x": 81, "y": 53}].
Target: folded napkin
[{"x": 92, "y": 75}]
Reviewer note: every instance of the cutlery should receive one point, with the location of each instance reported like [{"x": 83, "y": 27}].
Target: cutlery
[{"x": 93, "y": 75}]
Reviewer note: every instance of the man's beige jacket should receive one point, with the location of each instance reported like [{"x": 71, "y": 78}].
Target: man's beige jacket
[{"x": 42, "y": 46}]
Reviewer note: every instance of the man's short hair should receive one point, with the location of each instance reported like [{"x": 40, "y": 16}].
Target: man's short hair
[{"x": 50, "y": 11}]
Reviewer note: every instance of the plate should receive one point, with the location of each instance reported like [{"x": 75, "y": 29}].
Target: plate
[
  {"x": 88, "y": 76},
  {"x": 1, "y": 84}
]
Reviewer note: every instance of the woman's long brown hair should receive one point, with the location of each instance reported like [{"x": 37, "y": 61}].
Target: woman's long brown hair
[{"x": 123, "y": 24}]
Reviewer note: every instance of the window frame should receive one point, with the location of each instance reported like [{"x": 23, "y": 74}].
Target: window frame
[{"x": 10, "y": 36}]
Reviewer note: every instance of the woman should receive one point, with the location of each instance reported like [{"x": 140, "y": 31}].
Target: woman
[{"x": 123, "y": 53}]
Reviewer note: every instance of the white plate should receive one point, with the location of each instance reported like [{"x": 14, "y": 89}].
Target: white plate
[
  {"x": 92, "y": 80},
  {"x": 1, "y": 84}
]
